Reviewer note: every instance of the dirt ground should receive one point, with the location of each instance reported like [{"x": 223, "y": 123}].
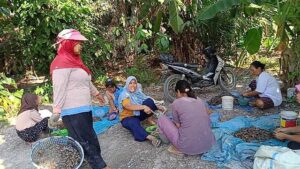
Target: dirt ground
[{"x": 119, "y": 149}]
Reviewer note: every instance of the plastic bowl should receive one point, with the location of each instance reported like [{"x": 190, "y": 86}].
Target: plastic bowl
[
  {"x": 235, "y": 93},
  {"x": 243, "y": 101}
]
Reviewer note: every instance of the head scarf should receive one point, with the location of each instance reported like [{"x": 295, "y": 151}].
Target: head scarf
[
  {"x": 137, "y": 97},
  {"x": 29, "y": 102},
  {"x": 66, "y": 58}
]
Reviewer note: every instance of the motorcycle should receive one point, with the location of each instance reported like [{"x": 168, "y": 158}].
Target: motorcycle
[{"x": 175, "y": 71}]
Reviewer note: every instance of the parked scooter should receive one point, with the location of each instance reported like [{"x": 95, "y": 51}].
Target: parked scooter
[{"x": 223, "y": 75}]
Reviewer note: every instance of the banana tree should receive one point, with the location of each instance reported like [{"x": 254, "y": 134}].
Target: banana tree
[{"x": 284, "y": 17}]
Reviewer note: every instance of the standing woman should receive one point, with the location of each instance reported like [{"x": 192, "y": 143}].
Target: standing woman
[{"x": 72, "y": 92}]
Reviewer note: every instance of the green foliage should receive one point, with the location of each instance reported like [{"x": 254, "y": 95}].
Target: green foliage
[
  {"x": 292, "y": 100},
  {"x": 46, "y": 91},
  {"x": 175, "y": 20},
  {"x": 162, "y": 42},
  {"x": 141, "y": 71},
  {"x": 252, "y": 40},
  {"x": 220, "y": 6},
  {"x": 37, "y": 23},
  {"x": 293, "y": 75},
  {"x": 101, "y": 79},
  {"x": 10, "y": 100}
]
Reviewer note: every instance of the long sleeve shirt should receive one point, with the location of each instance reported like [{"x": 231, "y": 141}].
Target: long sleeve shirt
[
  {"x": 28, "y": 119},
  {"x": 72, "y": 91}
]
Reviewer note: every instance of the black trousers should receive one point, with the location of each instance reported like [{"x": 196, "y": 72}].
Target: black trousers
[
  {"x": 293, "y": 145},
  {"x": 80, "y": 128}
]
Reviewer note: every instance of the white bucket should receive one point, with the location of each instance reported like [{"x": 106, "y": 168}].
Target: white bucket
[
  {"x": 288, "y": 119},
  {"x": 227, "y": 102}
]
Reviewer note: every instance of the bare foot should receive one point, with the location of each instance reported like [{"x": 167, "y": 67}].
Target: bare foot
[
  {"x": 174, "y": 150},
  {"x": 107, "y": 167},
  {"x": 151, "y": 121},
  {"x": 155, "y": 142}
]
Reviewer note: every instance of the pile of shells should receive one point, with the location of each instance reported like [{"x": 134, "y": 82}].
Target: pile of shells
[
  {"x": 55, "y": 124},
  {"x": 217, "y": 100},
  {"x": 228, "y": 115},
  {"x": 253, "y": 133},
  {"x": 58, "y": 156}
]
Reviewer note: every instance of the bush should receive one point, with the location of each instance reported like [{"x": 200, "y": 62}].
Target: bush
[
  {"x": 46, "y": 91},
  {"x": 142, "y": 72},
  {"x": 10, "y": 97},
  {"x": 35, "y": 25}
]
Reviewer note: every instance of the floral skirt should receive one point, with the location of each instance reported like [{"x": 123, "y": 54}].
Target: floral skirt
[{"x": 32, "y": 134}]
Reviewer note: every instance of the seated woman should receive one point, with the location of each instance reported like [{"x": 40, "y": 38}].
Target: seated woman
[
  {"x": 190, "y": 131},
  {"x": 292, "y": 133},
  {"x": 265, "y": 88},
  {"x": 29, "y": 124},
  {"x": 134, "y": 107},
  {"x": 112, "y": 92}
]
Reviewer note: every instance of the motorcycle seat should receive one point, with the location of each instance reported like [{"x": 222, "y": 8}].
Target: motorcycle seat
[{"x": 190, "y": 66}]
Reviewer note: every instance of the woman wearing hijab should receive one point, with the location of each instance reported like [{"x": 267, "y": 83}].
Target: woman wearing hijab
[
  {"x": 72, "y": 95},
  {"x": 134, "y": 107},
  {"x": 29, "y": 124}
]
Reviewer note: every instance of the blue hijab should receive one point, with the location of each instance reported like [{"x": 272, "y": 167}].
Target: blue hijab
[{"x": 137, "y": 97}]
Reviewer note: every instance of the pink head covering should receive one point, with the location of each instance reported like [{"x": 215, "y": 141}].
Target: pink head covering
[
  {"x": 70, "y": 34},
  {"x": 66, "y": 58},
  {"x": 297, "y": 87}
]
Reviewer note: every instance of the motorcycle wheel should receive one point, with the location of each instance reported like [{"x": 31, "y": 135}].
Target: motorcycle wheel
[
  {"x": 227, "y": 79},
  {"x": 169, "y": 87}
]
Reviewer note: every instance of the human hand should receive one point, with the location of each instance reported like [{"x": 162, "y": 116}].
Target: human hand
[
  {"x": 100, "y": 99},
  {"x": 246, "y": 94},
  {"x": 280, "y": 136},
  {"x": 56, "y": 110},
  {"x": 283, "y": 130},
  {"x": 147, "y": 110},
  {"x": 113, "y": 109},
  {"x": 109, "y": 95},
  {"x": 162, "y": 109}
]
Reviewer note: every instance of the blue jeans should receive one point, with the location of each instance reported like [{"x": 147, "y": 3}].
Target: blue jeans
[{"x": 133, "y": 124}]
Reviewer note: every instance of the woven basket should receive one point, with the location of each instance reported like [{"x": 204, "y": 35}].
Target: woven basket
[{"x": 46, "y": 142}]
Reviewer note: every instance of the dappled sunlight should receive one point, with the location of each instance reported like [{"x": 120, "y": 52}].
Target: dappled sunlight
[
  {"x": 12, "y": 121},
  {"x": 1, "y": 164},
  {"x": 2, "y": 140}
]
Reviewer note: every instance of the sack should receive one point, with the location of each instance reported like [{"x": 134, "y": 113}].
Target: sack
[{"x": 274, "y": 157}]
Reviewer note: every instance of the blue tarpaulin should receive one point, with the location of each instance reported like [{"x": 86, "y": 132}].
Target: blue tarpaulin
[
  {"x": 104, "y": 124},
  {"x": 230, "y": 149}
]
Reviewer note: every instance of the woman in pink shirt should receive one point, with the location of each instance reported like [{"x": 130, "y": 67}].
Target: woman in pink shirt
[
  {"x": 190, "y": 131},
  {"x": 29, "y": 124},
  {"x": 72, "y": 95}
]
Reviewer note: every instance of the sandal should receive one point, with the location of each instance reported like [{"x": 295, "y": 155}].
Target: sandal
[
  {"x": 156, "y": 142},
  {"x": 151, "y": 129}
]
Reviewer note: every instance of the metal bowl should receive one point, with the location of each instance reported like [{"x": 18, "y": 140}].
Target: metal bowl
[{"x": 47, "y": 142}]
